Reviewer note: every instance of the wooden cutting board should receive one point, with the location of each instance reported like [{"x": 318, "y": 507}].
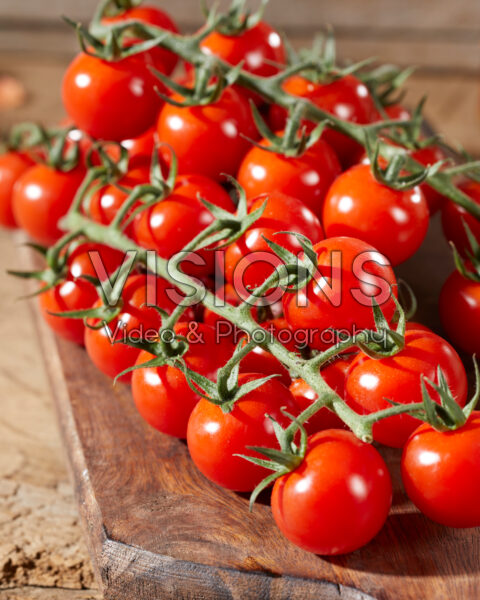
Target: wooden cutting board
[{"x": 158, "y": 529}]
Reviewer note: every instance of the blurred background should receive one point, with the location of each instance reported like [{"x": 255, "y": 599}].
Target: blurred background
[
  {"x": 441, "y": 37},
  {"x": 42, "y": 552}
]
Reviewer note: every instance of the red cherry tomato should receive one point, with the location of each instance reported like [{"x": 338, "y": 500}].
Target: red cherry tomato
[
  {"x": 257, "y": 47},
  {"x": 75, "y": 293},
  {"x": 357, "y": 205},
  {"x": 371, "y": 382},
  {"x": 208, "y": 139},
  {"x": 350, "y": 273},
  {"x": 110, "y": 100},
  {"x": 135, "y": 319},
  {"x": 339, "y": 497},
  {"x": 12, "y": 166},
  {"x": 306, "y": 177},
  {"x": 214, "y": 437},
  {"x": 249, "y": 260},
  {"x": 140, "y": 149},
  {"x": 168, "y": 226},
  {"x": 346, "y": 98},
  {"x": 260, "y": 360},
  {"x": 334, "y": 375},
  {"x": 162, "y": 394},
  {"x": 460, "y": 312},
  {"x": 41, "y": 196},
  {"x": 454, "y": 215},
  {"x": 162, "y": 59},
  {"x": 106, "y": 201},
  {"x": 260, "y": 48},
  {"x": 441, "y": 473}
]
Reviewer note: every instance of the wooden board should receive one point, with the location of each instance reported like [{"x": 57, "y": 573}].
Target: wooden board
[{"x": 158, "y": 529}]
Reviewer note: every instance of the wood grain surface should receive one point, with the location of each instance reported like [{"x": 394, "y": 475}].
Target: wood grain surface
[{"x": 158, "y": 529}]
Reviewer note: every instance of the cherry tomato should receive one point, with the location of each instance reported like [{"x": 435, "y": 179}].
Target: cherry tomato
[
  {"x": 140, "y": 149},
  {"x": 75, "y": 293},
  {"x": 105, "y": 202},
  {"x": 371, "y": 382},
  {"x": 441, "y": 473},
  {"x": 334, "y": 375},
  {"x": 214, "y": 437},
  {"x": 257, "y": 47},
  {"x": 260, "y": 360},
  {"x": 346, "y": 98},
  {"x": 249, "y": 260},
  {"x": 208, "y": 139},
  {"x": 161, "y": 59},
  {"x": 41, "y": 196},
  {"x": 162, "y": 394},
  {"x": 136, "y": 319},
  {"x": 110, "y": 100},
  {"x": 306, "y": 177},
  {"x": 339, "y": 497},
  {"x": 357, "y": 205},
  {"x": 169, "y": 225},
  {"x": 454, "y": 215},
  {"x": 350, "y": 273},
  {"x": 12, "y": 166},
  {"x": 260, "y": 48},
  {"x": 460, "y": 312}
]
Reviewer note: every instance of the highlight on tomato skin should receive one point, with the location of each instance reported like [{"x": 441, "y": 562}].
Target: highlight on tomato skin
[
  {"x": 372, "y": 383},
  {"x": 441, "y": 473},
  {"x": 337, "y": 499}
]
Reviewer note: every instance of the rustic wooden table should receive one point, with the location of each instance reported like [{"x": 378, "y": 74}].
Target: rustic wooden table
[{"x": 42, "y": 553}]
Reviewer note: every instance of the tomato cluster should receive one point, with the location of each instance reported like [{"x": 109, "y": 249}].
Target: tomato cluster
[{"x": 318, "y": 202}]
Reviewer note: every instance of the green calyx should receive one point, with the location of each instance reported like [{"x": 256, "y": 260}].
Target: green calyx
[
  {"x": 282, "y": 461},
  {"x": 236, "y": 20},
  {"x": 470, "y": 269},
  {"x": 295, "y": 141},
  {"x": 226, "y": 391}
]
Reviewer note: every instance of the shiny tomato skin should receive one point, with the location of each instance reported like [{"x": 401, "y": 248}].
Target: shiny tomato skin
[
  {"x": 106, "y": 201},
  {"x": 162, "y": 394},
  {"x": 339, "y": 497},
  {"x": 41, "y": 196},
  {"x": 454, "y": 215},
  {"x": 75, "y": 293},
  {"x": 168, "y": 226},
  {"x": 228, "y": 295},
  {"x": 208, "y": 140},
  {"x": 110, "y": 100},
  {"x": 441, "y": 473},
  {"x": 12, "y": 166},
  {"x": 213, "y": 437},
  {"x": 258, "y": 47},
  {"x": 113, "y": 358},
  {"x": 244, "y": 266},
  {"x": 334, "y": 375},
  {"x": 161, "y": 59},
  {"x": 306, "y": 177},
  {"x": 346, "y": 98},
  {"x": 459, "y": 306},
  {"x": 414, "y": 326},
  {"x": 370, "y": 382},
  {"x": 344, "y": 302},
  {"x": 394, "y": 222}
]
